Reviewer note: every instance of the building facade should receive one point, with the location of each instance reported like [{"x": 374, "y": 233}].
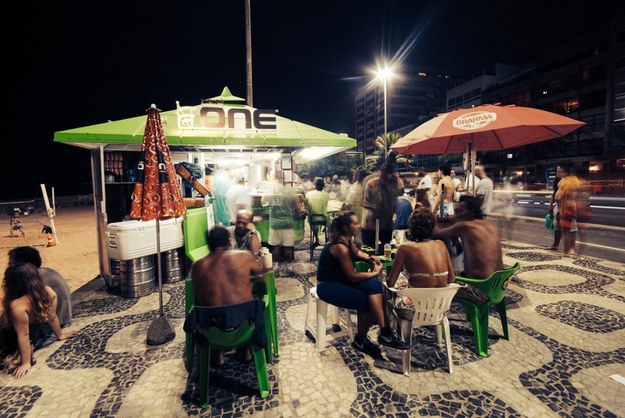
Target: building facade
[
  {"x": 414, "y": 95},
  {"x": 585, "y": 80}
]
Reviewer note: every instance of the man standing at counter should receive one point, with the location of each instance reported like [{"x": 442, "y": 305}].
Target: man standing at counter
[
  {"x": 283, "y": 207},
  {"x": 317, "y": 204},
  {"x": 237, "y": 198}
]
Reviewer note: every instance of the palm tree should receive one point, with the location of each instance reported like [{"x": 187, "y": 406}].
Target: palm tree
[{"x": 385, "y": 153}]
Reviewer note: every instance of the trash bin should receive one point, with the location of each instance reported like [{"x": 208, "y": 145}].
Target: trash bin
[{"x": 137, "y": 277}]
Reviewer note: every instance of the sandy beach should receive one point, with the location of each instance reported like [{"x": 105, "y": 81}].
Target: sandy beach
[{"x": 76, "y": 254}]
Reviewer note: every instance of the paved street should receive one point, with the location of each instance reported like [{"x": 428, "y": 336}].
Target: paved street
[{"x": 567, "y": 337}]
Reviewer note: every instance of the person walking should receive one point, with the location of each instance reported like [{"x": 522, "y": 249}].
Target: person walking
[
  {"x": 566, "y": 199},
  {"x": 484, "y": 189},
  {"x": 552, "y": 210}
]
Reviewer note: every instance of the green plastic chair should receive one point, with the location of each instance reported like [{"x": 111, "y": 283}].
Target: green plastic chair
[
  {"x": 195, "y": 227},
  {"x": 265, "y": 288},
  {"x": 495, "y": 287},
  {"x": 227, "y": 340},
  {"x": 316, "y": 221},
  {"x": 189, "y": 303}
]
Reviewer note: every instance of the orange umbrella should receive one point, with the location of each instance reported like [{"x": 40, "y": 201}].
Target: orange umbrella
[
  {"x": 157, "y": 196},
  {"x": 485, "y": 128}
]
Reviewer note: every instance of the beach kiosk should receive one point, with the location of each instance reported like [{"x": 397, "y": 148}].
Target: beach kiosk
[{"x": 220, "y": 131}]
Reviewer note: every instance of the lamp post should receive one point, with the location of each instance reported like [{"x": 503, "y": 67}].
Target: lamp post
[{"x": 385, "y": 74}]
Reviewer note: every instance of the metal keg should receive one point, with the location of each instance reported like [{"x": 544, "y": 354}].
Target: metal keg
[
  {"x": 137, "y": 277},
  {"x": 171, "y": 266},
  {"x": 113, "y": 280}
]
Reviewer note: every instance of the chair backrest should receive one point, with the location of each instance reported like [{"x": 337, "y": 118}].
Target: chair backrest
[
  {"x": 195, "y": 227},
  {"x": 362, "y": 266},
  {"x": 431, "y": 304},
  {"x": 496, "y": 285},
  {"x": 236, "y": 337},
  {"x": 217, "y": 320},
  {"x": 317, "y": 219}
]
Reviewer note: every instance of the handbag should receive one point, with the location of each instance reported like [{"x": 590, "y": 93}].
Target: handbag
[{"x": 549, "y": 221}]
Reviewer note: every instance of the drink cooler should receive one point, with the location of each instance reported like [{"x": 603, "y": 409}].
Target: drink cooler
[
  {"x": 132, "y": 253},
  {"x": 129, "y": 240}
]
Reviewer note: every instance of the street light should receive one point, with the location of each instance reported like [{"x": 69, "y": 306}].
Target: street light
[{"x": 385, "y": 74}]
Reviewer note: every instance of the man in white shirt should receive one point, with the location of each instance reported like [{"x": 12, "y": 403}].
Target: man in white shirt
[
  {"x": 470, "y": 183},
  {"x": 237, "y": 198},
  {"x": 457, "y": 184},
  {"x": 423, "y": 187},
  {"x": 484, "y": 189}
]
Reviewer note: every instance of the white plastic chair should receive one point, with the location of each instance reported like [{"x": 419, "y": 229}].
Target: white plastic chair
[
  {"x": 316, "y": 314},
  {"x": 431, "y": 308}
]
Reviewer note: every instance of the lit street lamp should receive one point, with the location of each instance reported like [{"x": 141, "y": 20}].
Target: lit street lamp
[{"x": 385, "y": 74}]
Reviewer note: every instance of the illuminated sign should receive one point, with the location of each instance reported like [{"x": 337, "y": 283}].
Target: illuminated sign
[
  {"x": 225, "y": 117},
  {"x": 215, "y": 116}
]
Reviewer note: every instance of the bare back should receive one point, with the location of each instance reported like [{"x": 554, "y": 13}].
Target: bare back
[
  {"x": 427, "y": 263},
  {"x": 481, "y": 243},
  {"x": 223, "y": 277}
]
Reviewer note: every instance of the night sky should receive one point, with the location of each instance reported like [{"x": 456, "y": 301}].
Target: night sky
[{"x": 76, "y": 65}]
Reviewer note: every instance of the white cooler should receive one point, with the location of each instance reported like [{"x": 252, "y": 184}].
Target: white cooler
[{"x": 128, "y": 240}]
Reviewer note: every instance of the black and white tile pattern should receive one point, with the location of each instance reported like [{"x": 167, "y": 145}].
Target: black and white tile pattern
[{"x": 567, "y": 329}]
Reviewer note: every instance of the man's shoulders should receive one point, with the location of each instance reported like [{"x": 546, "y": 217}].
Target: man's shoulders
[{"x": 48, "y": 274}]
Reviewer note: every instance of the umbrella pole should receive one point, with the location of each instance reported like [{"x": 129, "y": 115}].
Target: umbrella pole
[
  {"x": 159, "y": 271},
  {"x": 377, "y": 235},
  {"x": 161, "y": 330}
]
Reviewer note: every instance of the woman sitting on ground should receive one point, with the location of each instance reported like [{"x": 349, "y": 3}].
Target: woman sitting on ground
[
  {"x": 340, "y": 285},
  {"x": 27, "y": 303},
  {"x": 422, "y": 263}
]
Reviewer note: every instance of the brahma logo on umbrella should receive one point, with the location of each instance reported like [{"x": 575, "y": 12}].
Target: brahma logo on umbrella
[{"x": 474, "y": 120}]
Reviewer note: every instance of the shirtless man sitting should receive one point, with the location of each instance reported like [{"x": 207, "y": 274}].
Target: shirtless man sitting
[
  {"x": 481, "y": 243},
  {"x": 223, "y": 276}
]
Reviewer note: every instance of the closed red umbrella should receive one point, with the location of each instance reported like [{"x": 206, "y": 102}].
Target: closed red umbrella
[{"x": 157, "y": 196}]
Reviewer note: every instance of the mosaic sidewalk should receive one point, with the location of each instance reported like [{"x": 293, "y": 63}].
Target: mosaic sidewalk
[{"x": 567, "y": 337}]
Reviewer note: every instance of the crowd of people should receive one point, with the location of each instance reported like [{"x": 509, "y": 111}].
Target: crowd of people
[
  {"x": 453, "y": 226},
  {"x": 448, "y": 236}
]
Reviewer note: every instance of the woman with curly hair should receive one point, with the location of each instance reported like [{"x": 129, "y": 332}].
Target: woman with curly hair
[
  {"x": 422, "y": 263},
  {"x": 26, "y": 304}
]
